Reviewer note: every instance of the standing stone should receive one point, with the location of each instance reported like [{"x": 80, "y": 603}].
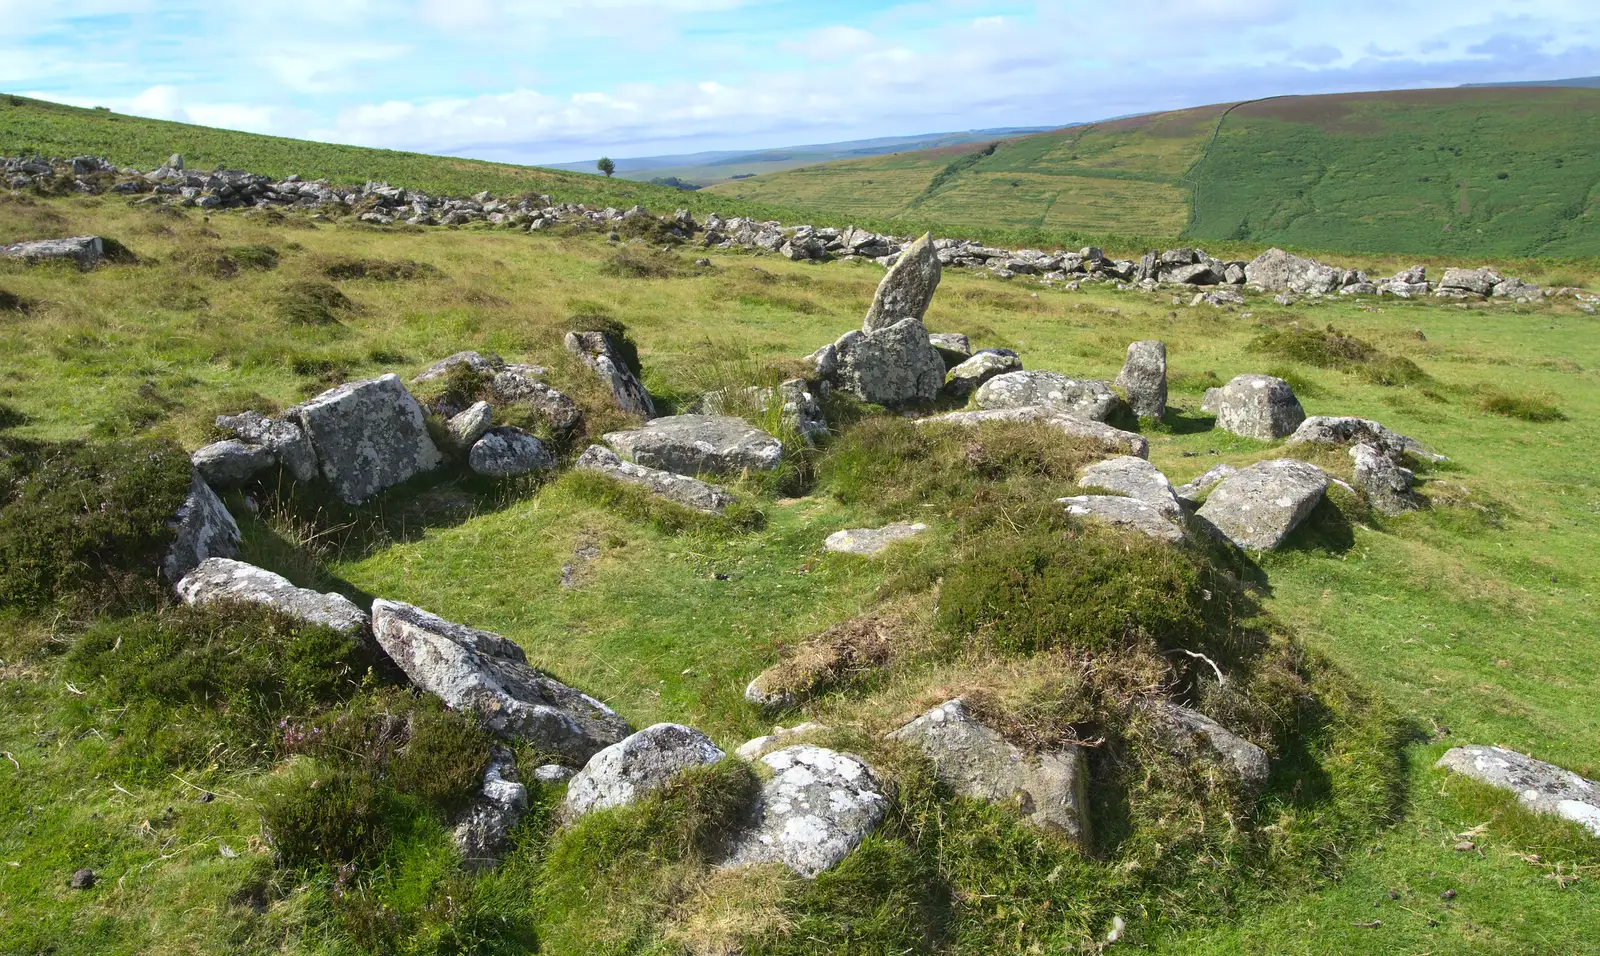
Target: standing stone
[
  {"x": 1257, "y": 507},
  {"x": 1144, "y": 377},
  {"x": 1194, "y": 736},
  {"x": 1259, "y": 406},
  {"x": 368, "y": 435},
  {"x": 228, "y": 581},
  {"x": 699, "y": 444},
  {"x": 1051, "y": 790},
  {"x": 1089, "y": 399},
  {"x": 1136, "y": 478},
  {"x": 481, "y": 831},
  {"x": 602, "y": 356},
  {"x": 689, "y": 492},
  {"x": 893, "y": 366},
  {"x": 817, "y": 808},
  {"x": 971, "y": 375},
  {"x": 202, "y": 529},
  {"x": 624, "y": 772},
  {"x": 1540, "y": 787},
  {"x": 908, "y": 287},
  {"x": 506, "y": 452}
]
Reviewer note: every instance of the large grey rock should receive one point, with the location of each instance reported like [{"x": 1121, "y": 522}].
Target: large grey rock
[
  {"x": 868, "y": 542},
  {"x": 488, "y": 677},
  {"x": 284, "y": 439},
  {"x": 229, "y": 581},
  {"x": 1258, "y": 507},
  {"x": 469, "y": 426},
  {"x": 1050, "y": 790},
  {"x": 602, "y": 355},
  {"x": 1475, "y": 281},
  {"x": 1083, "y": 398},
  {"x": 1540, "y": 787},
  {"x": 368, "y": 435},
  {"x": 699, "y": 445},
  {"x": 1197, "y": 489},
  {"x": 953, "y": 347},
  {"x": 1068, "y": 424},
  {"x": 818, "y": 806},
  {"x": 626, "y": 771},
  {"x": 481, "y": 831},
  {"x": 907, "y": 288},
  {"x": 970, "y": 375},
  {"x": 893, "y": 366},
  {"x": 506, "y": 452},
  {"x": 1348, "y": 430},
  {"x": 519, "y": 384},
  {"x": 230, "y": 463},
  {"x": 689, "y": 492},
  {"x": 1194, "y": 736},
  {"x": 477, "y": 361},
  {"x": 1381, "y": 477},
  {"x": 798, "y": 408},
  {"x": 1144, "y": 378},
  {"x": 1129, "y": 513},
  {"x": 1135, "y": 478},
  {"x": 86, "y": 251},
  {"x": 202, "y": 529},
  {"x": 1278, "y": 271},
  {"x": 1518, "y": 290},
  {"x": 1259, "y": 406}
]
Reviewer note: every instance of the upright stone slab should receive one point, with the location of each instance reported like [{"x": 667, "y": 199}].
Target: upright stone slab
[
  {"x": 1257, "y": 507},
  {"x": 699, "y": 444},
  {"x": 1144, "y": 378},
  {"x": 818, "y": 806},
  {"x": 1259, "y": 406},
  {"x": 1541, "y": 787},
  {"x": 368, "y": 435},
  {"x": 908, "y": 287},
  {"x": 626, "y": 771},
  {"x": 893, "y": 366},
  {"x": 202, "y": 529},
  {"x": 228, "y": 581},
  {"x": 602, "y": 356},
  {"x": 1084, "y": 398}
]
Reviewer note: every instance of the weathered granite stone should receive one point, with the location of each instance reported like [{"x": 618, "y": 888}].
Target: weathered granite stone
[
  {"x": 1381, "y": 477},
  {"x": 907, "y": 288},
  {"x": 1135, "y": 478},
  {"x": 953, "y": 347},
  {"x": 85, "y": 251},
  {"x": 369, "y": 435},
  {"x": 231, "y": 463},
  {"x": 699, "y": 445},
  {"x": 226, "y": 580},
  {"x": 689, "y": 492},
  {"x": 202, "y": 529},
  {"x": 519, "y": 384},
  {"x": 970, "y": 375},
  {"x": 1129, "y": 513},
  {"x": 551, "y": 773},
  {"x": 1144, "y": 378},
  {"x": 508, "y": 451},
  {"x": 1197, "y": 489},
  {"x": 756, "y": 747},
  {"x": 1259, "y": 406},
  {"x": 1346, "y": 430},
  {"x": 1540, "y": 787},
  {"x": 1278, "y": 271},
  {"x": 481, "y": 831},
  {"x": 1258, "y": 507},
  {"x": 1064, "y": 422},
  {"x": 285, "y": 439},
  {"x": 818, "y": 807},
  {"x": 1083, "y": 398},
  {"x": 893, "y": 366},
  {"x": 1195, "y": 736},
  {"x": 868, "y": 542},
  {"x": 602, "y": 355},
  {"x": 469, "y": 426},
  {"x": 627, "y": 770},
  {"x": 1475, "y": 281},
  {"x": 477, "y": 361}
]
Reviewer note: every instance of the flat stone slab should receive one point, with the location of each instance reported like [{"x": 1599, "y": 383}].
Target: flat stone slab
[
  {"x": 368, "y": 435},
  {"x": 1084, "y": 398},
  {"x": 1538, "y": 786},
  {"x": 1129, "y": 513},
  {"x": 1193, "y": 735},
  {"x": 86, "y": 251},
  {"x": 818, "y": 806},
  {"x": 230, "y": 463},
  {"x": 692, "y": 445},
  {"x": 1257, "y": 507},
  {"x": 483, "y": 674},
  {"x": 972, "y": 759},
  {"x": 1136, "y": 478},
  {"x": 689, "y": 492},
  {"x": 1259, "y": 406},
  {"x": 868, "y": 542},
  {"x": 626, "y": 771},
  {"x": 202, "y": 529},
  {"x": 226, "y": 580},
  {"x": 1349, "y": 430},
  {"x": 1130, "y": 443}
]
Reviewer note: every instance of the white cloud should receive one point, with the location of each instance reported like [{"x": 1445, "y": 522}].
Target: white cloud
[{"x": 831, "y": 43}]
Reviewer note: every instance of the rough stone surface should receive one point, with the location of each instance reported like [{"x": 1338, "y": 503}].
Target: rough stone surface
[
  {"x": 489, "y": 677},
  {"x": 689, "y": 492},
  {"x": 285, "y": 440},
  {"x": 625, "y": 771},
  {"x": 1259, "y": 506},
  {"x": 1144, "y": 378},
  {"x": 551, "y": 773},
  {"x": 953, "y": 347},
  {"x": 1278, "y": 271},
  {"x": 699, "y": 445},
  {"x": 519, "y": 384},
  {"x": 907, "y": 288},
  {"x": 1211, "y": 401},
  {"x": 817, "y": 808},
  {"x": 223, "y": 579},
  {"x": 1540, "y": 787},
  {"x": 369, "y": 435},
  {"x": 202, "y": 529},
  {"x": 754, "y": 748},
  {"x": 970, "y": 375},
  {"x": 1068, "y": 424},
  {"x": 1196, "y": 489},
  {"x": 1346, "y": 430},
  {"x": 477, "y": 361},
  {"x": 1136, "y": 478},
  {"x": 1381, "y": 477},
  {"x": 1195, "y": 736},
  {"x": 481, "y": 830},
  {"x": 82, "y": 879},
  {"x": 600, "y": 354},
  {"x": 1475, "y": 281},
  {"x": 893, "y": 366},
  {"x": 1129, "y": 513},
  {"x": 1050, "y": 790},
  {"x": 86, "y": 251},
  {"x": 507, "y": 451},
  {"x": 469, "y": 426},
  {"x": 1259, "y": 406},
  {"x": 1085, "y": 399},
  {"x": 231, "y": 463},
  {"x": 870, "y": 541}
]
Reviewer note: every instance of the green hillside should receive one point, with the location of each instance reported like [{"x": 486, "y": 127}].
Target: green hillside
[{"x": 1468, "y": 171}]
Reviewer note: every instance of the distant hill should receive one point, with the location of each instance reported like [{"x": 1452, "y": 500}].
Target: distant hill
[
  {"x": 1590, "y": 82},
  {"x": 704, "y": 169},
  {"x": 1502, "y": 170}
]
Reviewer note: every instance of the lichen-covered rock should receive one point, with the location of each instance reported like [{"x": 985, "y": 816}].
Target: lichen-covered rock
[
  {"x": 230, "y": 463},
  {"x": 466, "y": 428},
  {"x": 477, "y": 361},
  {"x": 974, "y": 760},
  {"x": 368, "y": 435},
  {"x": 1259, "y": 406},
  {"x": 1278, "y": 271},
  {"x": 1083, "y": 398},
  {"x": 756, "y": 747},
  {"x": 553, "y": 773},
  {"x": 1136, "y": 478},
  {"x": 602, "y": 355},
  {"x": 1347, "y": 430},
  {"x": 953, "y": 347},
  {"x": 487, "y": 676},
  {"x": 1068, "y": 424},
  {"x": 202, "y": 529},
  {"x": 1129, "y": 513},
  {"x": 893, "y": 366},
  {"x": 818, "y": 806},
  {"x": 907, "y": 288},
  {"x": 1381, "y": 477},
  {"x": 699, "y": 445},
  {"x": 1540, "y": 787},
  {"x": 1195, "y": 490},
  {"x": 506, "y": 452},
  {"x": 1259, "y": 506},
  {"x": 1194, "y": 736},
  {"x": 519, "y": 384},
  {"x": 627, "y": 770},
  {"x": 1474, "y": 281},
  {"x": 1144, "y": 378},
  {"x": 284, "y": 439},
  {"x": 86, "y": 251},
  {"x": 226, "y": 580},
  {"x": 970, "y": 375},
  {"x": 868, "y": 542},
  {"x": 689, "y": 492},
  {"x": 481, "y": 830}
]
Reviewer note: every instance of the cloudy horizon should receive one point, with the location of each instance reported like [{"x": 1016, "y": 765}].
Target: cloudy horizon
[{"x": 569, "y": 80}]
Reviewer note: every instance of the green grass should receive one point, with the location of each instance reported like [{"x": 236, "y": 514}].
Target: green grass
[{"x": 1474, "y": 622}]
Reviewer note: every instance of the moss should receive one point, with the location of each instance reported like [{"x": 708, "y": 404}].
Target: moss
[
  {"x": 1329, "y": 348},
  {"x": 631, "y": 262},
  {"x": 257, "y": 256},
  {"x": 312, "y": 303}
]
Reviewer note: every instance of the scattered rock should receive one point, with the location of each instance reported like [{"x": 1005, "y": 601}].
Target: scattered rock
[
  {"x": 231, "y": 463},
  {"x": 1538, "y": 786},
  {"x": 699, "y": 445},
  {"x": 1257, "y": 507},
  {"x": 967, "y": 377},
  {"x": 82, "y": 879},
  {"x": 953, "y": 347},
  {"x": 507, "y": 451},
  {"x": 624, "y": 772},
  {"x": 226, "y": 580},
  {"x": 477, "y": 361},
  {"x": 86, "y": 251},
  {"x": 481, "y": 831},
  {"x": 1127, "y": 442},
  {"x": 602, "y": 355},
  {"x": 1381, "y": 477},
  {"x": 817, "y": 808},
  {"x": 1195, "y": 736},
  {"x": 1050, "y": 790},
  {"x": 285, "y": 440},
  {"x": 202, "y": 529},
  {"x": 1278, "y": 271},
  {"x": 1144, "y": 378},
  {"x": 754, "y": 748},
  {"x": 907, "y": 288},
  {"x": 489, "y": 677},
  {"x": 868, "y": 542},
  {"x": 689, "y": 492},
  {"x": 369, "y": 435},
  {"x": 1333, "y": 430},
  {"x": 1085, "y": 399},
  {"x": 1130, "y": 513},
  {"x": 552, "y": 773},
  {"x": 1259, "y": 406},
  {"x": 1136, "y": 478},
  {"x": 1196, "y": 489},
  {"x": 469, "y": 426},
  {"x": 892, "y": 366}
]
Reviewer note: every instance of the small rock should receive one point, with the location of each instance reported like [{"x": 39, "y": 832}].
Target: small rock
[
  {"x": 481, "y": 832},
  {"x": 754, "y": 748},
  {"x": 1068, "y": 424},
  {"x": 692, "y": 445},
  {"x": 552, "y": 773},
  {"x": 1194, "y": 735},
  {"x": 477, "y": 361},
  {"x": 818, "y": 807},
  {"x": 228, "y": 581},
  {"x": 82, "y": 879},
  {"x": 231, "y": 463},
  {"x": 869, "y": 542},
  {"x": 202, "y": 529},
  {"x": 970, "y": 375},
  {"x": 1196, "y": 489},
  {"x": 622, "y": 773},
  {"x": 507, "y": 451},
  {"x": 469, "y": 426}
]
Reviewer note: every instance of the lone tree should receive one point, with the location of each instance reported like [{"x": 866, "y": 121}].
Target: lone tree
[{"x": 605, "y": 165}]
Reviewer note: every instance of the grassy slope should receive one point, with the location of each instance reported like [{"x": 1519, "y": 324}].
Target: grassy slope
[{"x": 1485, "y": 625}]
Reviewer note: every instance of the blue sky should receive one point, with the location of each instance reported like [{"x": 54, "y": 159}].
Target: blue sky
[{"x": 565, "y": 80}]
